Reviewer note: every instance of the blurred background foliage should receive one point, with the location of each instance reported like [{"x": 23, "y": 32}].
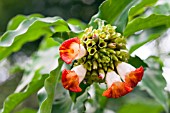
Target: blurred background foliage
[
  {"x": 30, "y": 61},
  {"x": 80, "y": 9}
]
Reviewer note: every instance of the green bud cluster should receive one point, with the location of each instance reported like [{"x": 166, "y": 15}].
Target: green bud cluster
[{"x": 104, "y": 48}]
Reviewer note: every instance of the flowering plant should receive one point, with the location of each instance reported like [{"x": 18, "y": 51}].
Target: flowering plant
[
  {"x": 82, "y": 67},
  {"x": 101, "y": 55}
]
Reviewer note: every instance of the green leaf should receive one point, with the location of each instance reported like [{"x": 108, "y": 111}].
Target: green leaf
[
  {"x": 29, "y": 30},
  {"x": 79, "y": 105},
  {"x": 109, "y": 10},
  {"x": 77, "y": 22},
  {"x": 47, "y": 43},
  {"x": 74, "y": 95},
  {"x": 137, "y": 62},
  {"x": 150, "y": 35},
  {"x": 62, "y": 102},
  {"x": 163, "y": 9},
  {"x": 27, "y": 110},
  {"x": 99, "y": 99},
  {"x": 44, "y": 60},
  {"x": 153, "y": 82},
  {"x": 14, "y": 22},
  {"x": 141, "y": 106},
  {"x": 15, "y": 99},
  {"x": 140, "y": 7},
  {"x": 50, "y": 86},
  {"x": 142, "y": 23},
  {"x": 122, "y": 19}
]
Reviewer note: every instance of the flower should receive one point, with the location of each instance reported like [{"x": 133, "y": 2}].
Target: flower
[
  {"x": 72, "y": 78},
  {"x": 99, "y": 56},
  {"x": 70, "y": 49},
  {"x": 116, "y": 88},
  {"x": 130, "y": 74}
]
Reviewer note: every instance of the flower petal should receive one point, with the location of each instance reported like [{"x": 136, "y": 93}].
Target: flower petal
[
  {"x": 134, "y": 77},
  {"x": 82, "y": 52},
  {"x": 70, "y": 81},
  {"x": 69, "y": 49},
  {"x": 124, "y": 68},
  {"x": 80, "y": 71},
  {"x": 117, "y": 90},
  {"x": 112, "y": 77}
]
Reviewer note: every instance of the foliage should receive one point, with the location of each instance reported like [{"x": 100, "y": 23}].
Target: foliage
[{"x": 42, "y": 75}]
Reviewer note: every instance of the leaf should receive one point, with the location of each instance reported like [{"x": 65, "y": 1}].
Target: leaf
[
  {"x": 62, "y": 100},
  {"x": 27, "y": 110},
  {"x": 74, "y": 95},
  {"x": 137, "y": 62},
  {"x": 146, "y": 36},
  {"x": 122, "y": 19},
  {"x": 162, "y": 9},
  {"x": 140, "y": 7},
  {"x": 154, "y": 83},
  {"x": 29, "y": 30},
  {"x": 77, "y": 22},
  {"x": 99, "y": 99},
  {"x": 47, "y": 43},
  {"x": 145, "y": 23},
  {"x": 79, "y": 105},
  {"x": 14, "y": 22},
  {"x": 141, "y": 106},
  {"x": 50, "y": 85},
  {"x": 109, "y": 10},
  {"x": 15, "y": 99},
  {"x": 44, "y": 60}
]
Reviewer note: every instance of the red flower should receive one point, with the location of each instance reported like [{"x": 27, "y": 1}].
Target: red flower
[
  {"x": 69, "y": 49},
  {"x": 70, "y": 81},
  {"x": 129, "y": 74},
  {"x": 134, "y": 77},
  {"x": 116, "y": 88},
  {"x": 72, "y": 78}
]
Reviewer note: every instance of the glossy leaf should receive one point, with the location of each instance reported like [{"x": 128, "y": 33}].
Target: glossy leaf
[
  {"x": 140, "y": 7},
  {"x": 77, "y": 22},
  {"x": 142, "y": 23},
  {"x": 50, "y": 86},
  {"x": 137, "y": 62},
  {"x": 146, "y": 36},
  {"x": 14, "y": 22},
  {"x": 109, "y": 10},
  {"x": 16, "y": 98},
  {"x": 122, "y": 19},
  {"x": 29, "y": 30}
]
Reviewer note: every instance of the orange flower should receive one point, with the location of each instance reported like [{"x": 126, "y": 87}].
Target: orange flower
[
  {"x": 116, "y": 88},
  {"x": 130, "y": 74},
  {"x": 72, "y": 78},
  {"x": 70, "y": 49}
]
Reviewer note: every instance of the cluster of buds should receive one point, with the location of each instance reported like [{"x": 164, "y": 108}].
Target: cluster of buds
[{"x": 99, "y": 56}]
